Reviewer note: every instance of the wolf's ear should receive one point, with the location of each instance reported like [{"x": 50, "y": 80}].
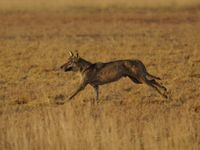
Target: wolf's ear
[
  {"x": 71, "y": 54},
  {"x": 77, "y": 55}
]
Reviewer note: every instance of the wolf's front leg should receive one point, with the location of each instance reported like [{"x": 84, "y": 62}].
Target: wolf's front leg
[
  {"x": 81, "y": 87},
  {"x": 96, "y": 88}
]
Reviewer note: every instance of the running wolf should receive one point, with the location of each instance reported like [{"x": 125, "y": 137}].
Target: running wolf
[{"x": 96, "y": 74}]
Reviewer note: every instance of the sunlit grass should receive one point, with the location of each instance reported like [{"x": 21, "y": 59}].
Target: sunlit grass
[
  {"x": 130, "y": 116},
  {"x": 60, "y": 5}
]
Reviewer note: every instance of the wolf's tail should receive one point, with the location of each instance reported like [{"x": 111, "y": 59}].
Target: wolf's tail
[{"x": 151, "y": 77}]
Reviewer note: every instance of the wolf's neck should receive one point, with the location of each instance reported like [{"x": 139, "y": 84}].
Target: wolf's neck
[{"x": 84, "y": 64}]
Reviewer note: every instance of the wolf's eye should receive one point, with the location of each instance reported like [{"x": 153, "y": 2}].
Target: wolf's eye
[{"x": 75, "y": 60}]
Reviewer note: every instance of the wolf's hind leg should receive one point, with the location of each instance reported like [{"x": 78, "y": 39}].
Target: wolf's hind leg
[
  {"x": 158, "y": 84},
  {"x": 149, "y": 83},
  {"x": 134, "y": 80}
]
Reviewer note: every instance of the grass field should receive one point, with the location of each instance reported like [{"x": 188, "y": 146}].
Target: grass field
[{"x": 34, "y": 43}]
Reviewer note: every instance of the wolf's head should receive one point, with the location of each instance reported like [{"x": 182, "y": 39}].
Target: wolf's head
[{"x": 73, "y": 63}]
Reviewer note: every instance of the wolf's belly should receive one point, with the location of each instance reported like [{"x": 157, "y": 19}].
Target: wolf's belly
[{"x": 106, "y": 78}]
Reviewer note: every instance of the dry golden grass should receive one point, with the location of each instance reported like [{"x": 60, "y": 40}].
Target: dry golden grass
[
  {"x": 41, "y": 5},
  {"x": 130, "y": 116}
]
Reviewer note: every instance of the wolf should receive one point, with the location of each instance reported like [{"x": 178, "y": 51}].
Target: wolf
[{"x": 96, "y": 74}]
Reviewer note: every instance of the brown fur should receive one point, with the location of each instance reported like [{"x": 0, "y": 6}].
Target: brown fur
[{"x": 97, "y": 74}]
